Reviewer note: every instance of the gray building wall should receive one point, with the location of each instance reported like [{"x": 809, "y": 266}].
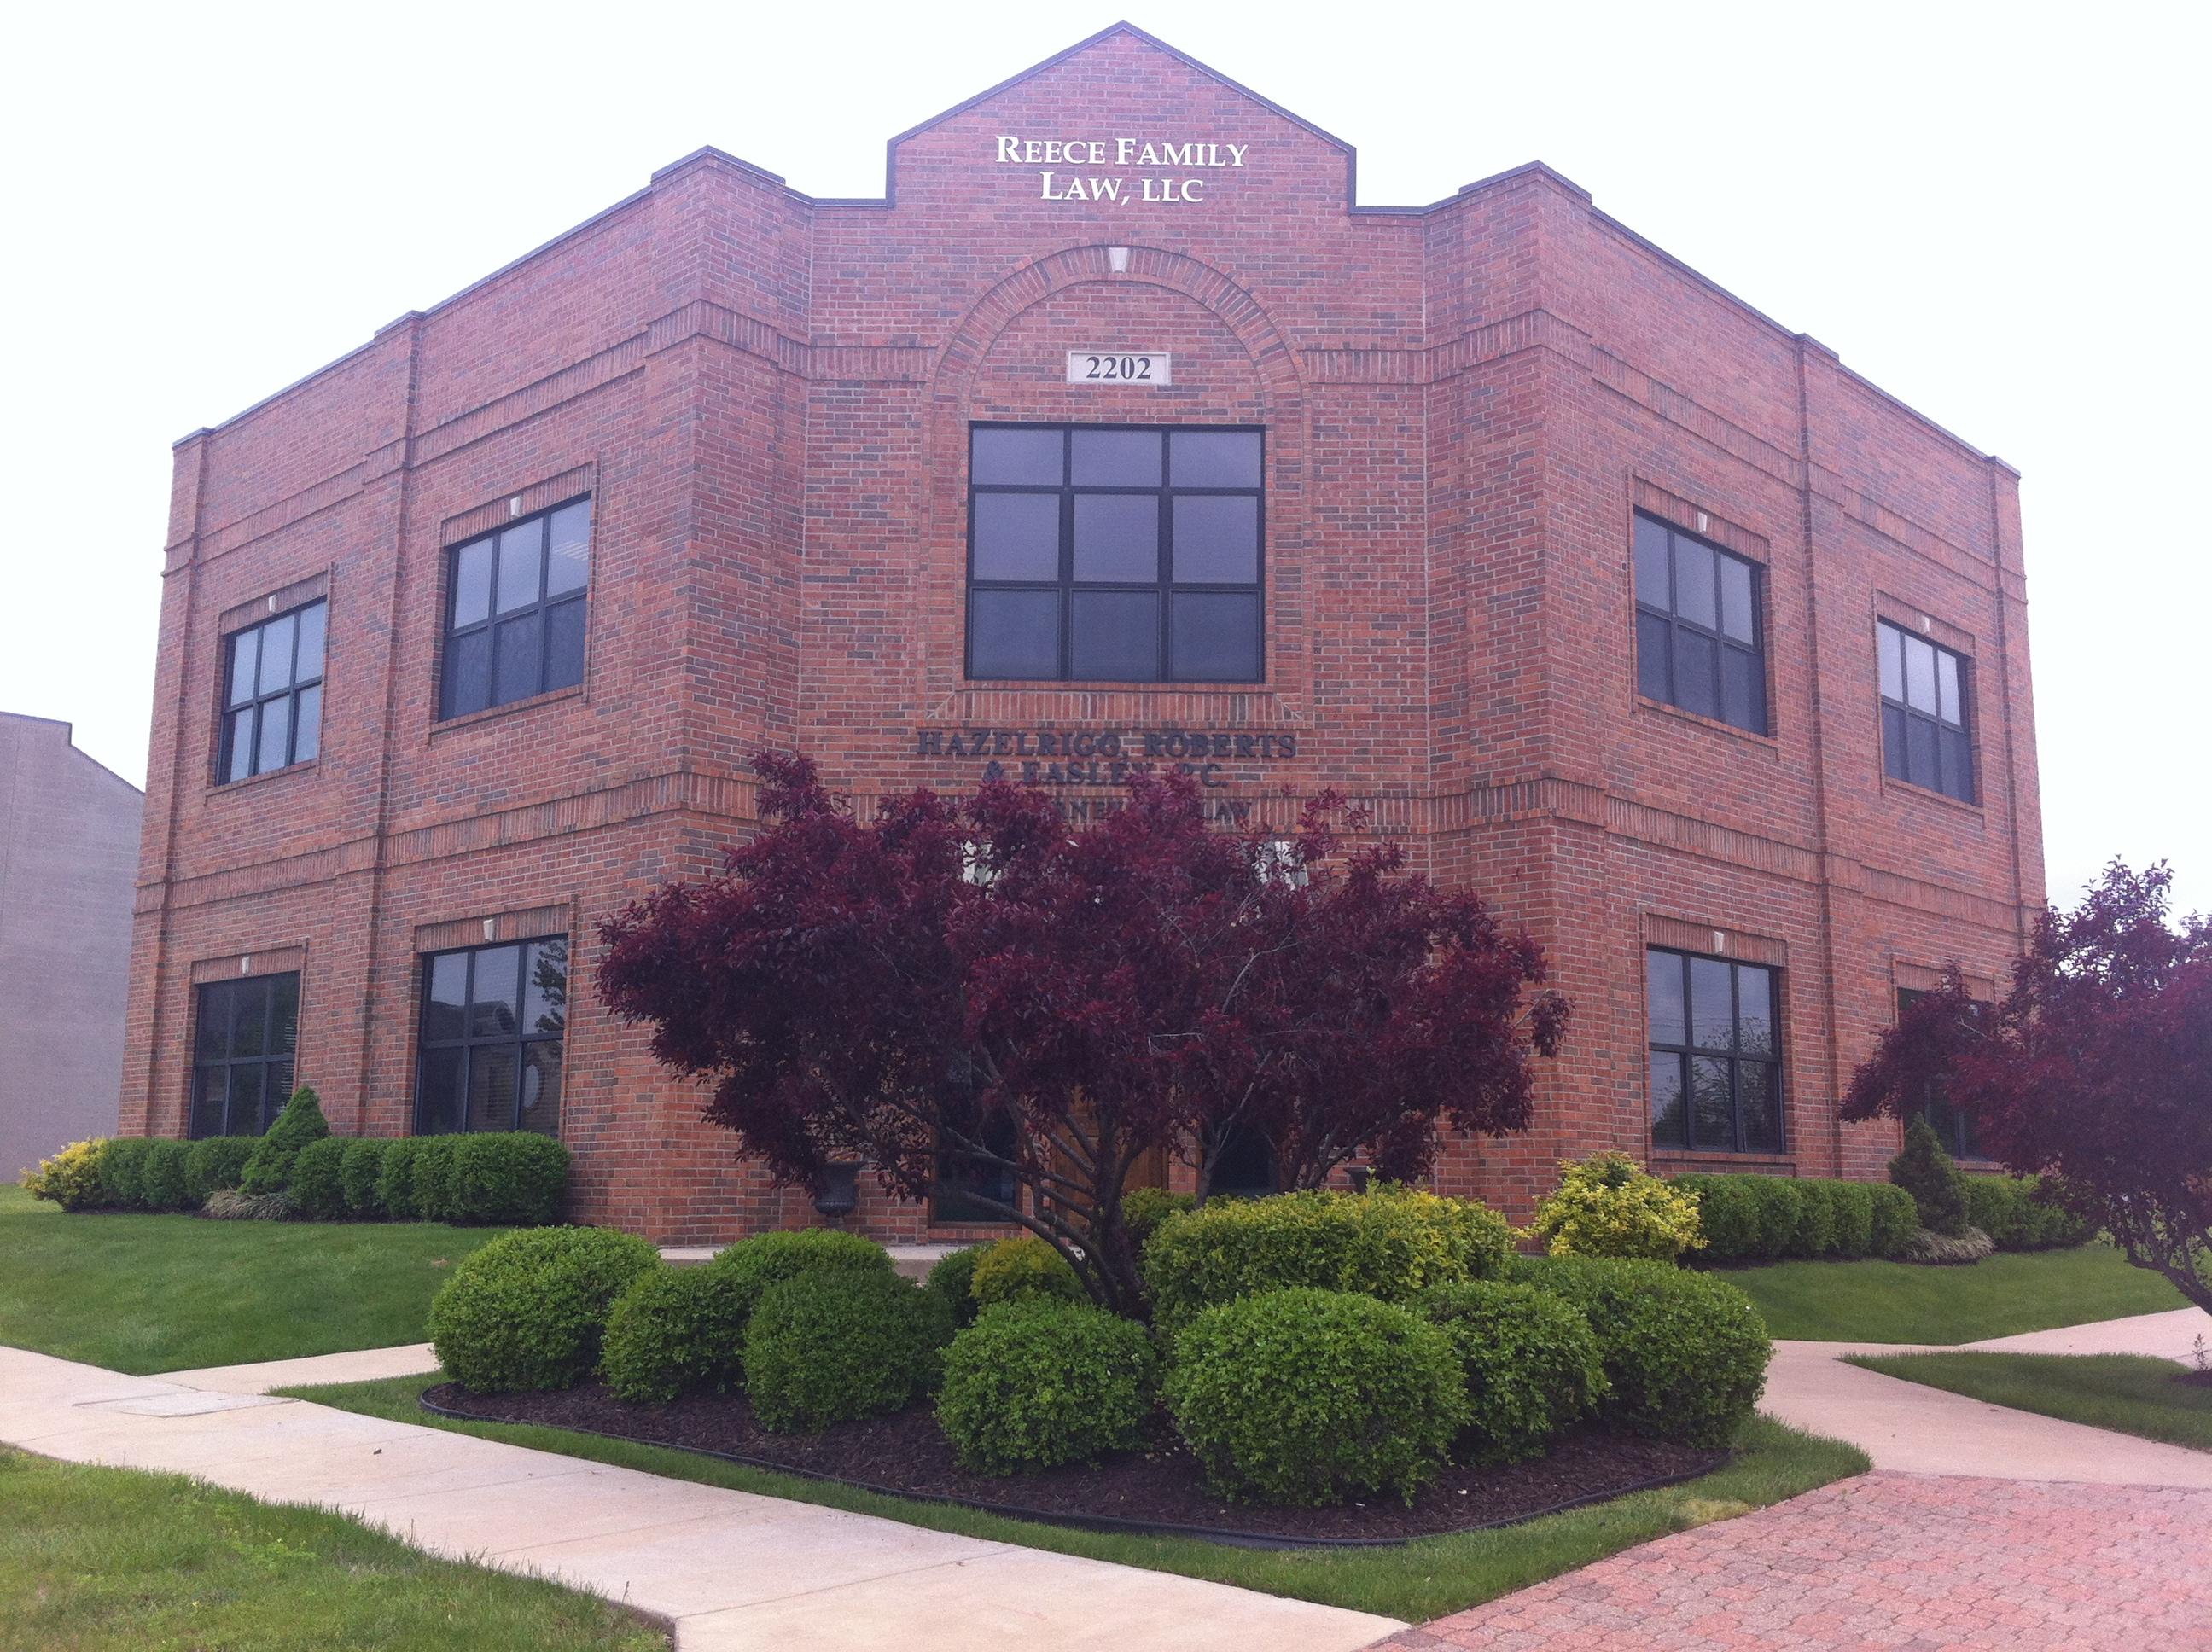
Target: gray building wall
[{"x": 69, "y": 857}]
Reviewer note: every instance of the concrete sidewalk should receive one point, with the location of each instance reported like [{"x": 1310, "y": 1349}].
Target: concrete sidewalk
[{"x": 735, "y": 1573}]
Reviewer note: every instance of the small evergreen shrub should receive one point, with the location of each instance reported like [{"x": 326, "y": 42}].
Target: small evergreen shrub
[
  {"x": 1306, "y": 1397},
  {"x": 1532, "y": 1365},
  {"x": 71, "y": 1178},
  {"x": 1854, "y": 1208},
  {"x": 508, "y": 1178},
  {"x": 528, "y": 1309},
  {"x": 317, "y": 1184},
  {"x": 1928, "y": 1172},
  {"x": 1758, "y": 1218},
  {"x": 675, "y": 1331},
  {"x": 953, "y": 1277},
  {"x": 359, "y": 1173},
  {"x": 164, "y": 1185},
  {"x": 1609, "y": 1206},
  {"x": 831, "y": 1345},
  {"x": 1815, "y": 1234},
  {"x": 1143, "y": 1210},
  {"x": 1014, "y": 1269},
  {"x": 1731, "y": 1212},
  {"x": 123, "y": 1172},
  {"x": 1040, "y": 1381},
  {"x": 270, "y": 1169},
  {"x": 236, "y": 1204},
  {"x": 1895, "y": 1218},
  {"x": 395, "y": 1178},
  {"x": 436, "y": 1197},
  {"x": 214, "y": 1163},
  {"x": 768, "y": 1259},
  {"x": 2015, "y": 1214},
  {"x": 1685, "y": 1353},
  {"x": 1392, "y": 1243}
]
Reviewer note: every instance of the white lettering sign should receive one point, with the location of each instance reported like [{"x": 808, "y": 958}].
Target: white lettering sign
[
  {"x": 1120, "y": 366},
  {"x": 1172, "y": 172}
]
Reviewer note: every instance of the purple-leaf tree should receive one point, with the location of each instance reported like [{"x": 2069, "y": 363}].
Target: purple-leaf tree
[{"x": 886, "y": 990}]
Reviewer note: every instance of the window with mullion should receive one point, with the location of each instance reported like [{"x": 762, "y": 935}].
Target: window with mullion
[
  {"x": 272, "y": 708},
  {"x": 246, "y": 1037},
  {"x": 1954, "y": 1125},
  {"x": 1715, "y": 1055},
  {"x": 1698, "y": 634},
  {"x": 1115, "y": 553},
  {"x": 493, "y": 1020},
  {"x": 1924, "y": 734},
  {"x": 515, "y": 611}
]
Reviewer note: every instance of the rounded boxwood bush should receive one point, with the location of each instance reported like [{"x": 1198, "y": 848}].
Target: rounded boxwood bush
[
  {"x": 831, "y": 1345},
  {"x": 1041, "y": 1382},
  {"x": 1609, "y": 1206},
  {"x": 270, "y": 1169},
  {"x": 675, "y": 1331},
  {"x": 71, "y": 1178},
  {"x": 436, "y": 1198},
  {"x": 1014, "y": 1269},
  {"x": 1393, "y": 1243},
  {"x": 953, "y": 1277},
  {"x": 1895, "y": 1218},
  {"x": 395, "y": 1179},
  {"x": 163, "y": 1187},
  {"x": 1143, "y": 1210},
  {"x": 214, "y": 1163},
  {"x": 317, "y": 1184},
  {"x": 123, "y": 1171},
  {"x": 1305, "y": 1396},
  {"x": 1532, "y": 1363},
  {"x": 527, "y": 1310},
  {"x": 1854, "y": 1203},
  {"x": 1816, "y": 1218},
  {"x": 1685, "y": 1353},
  {"x": 508, "y": 1178},
  {"x": 768, "y": 1259},
  {"x": 358, "y": 1172}
]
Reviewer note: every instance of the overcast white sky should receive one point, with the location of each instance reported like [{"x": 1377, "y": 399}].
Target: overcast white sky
[{"x": 1996, "y": 217}]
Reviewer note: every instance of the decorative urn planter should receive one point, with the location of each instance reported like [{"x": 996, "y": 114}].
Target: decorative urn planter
[{"x": 841, "y": 1190}]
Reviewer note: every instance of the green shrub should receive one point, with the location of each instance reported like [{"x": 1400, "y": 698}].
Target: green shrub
[
  {"x": 1731, "y": 1213},
  {"x": 1392, "y": 1243},
  {"x": 768, "y": 1259},
  {"x": 123, "y": 1172},
  {"x": 215, "y": 1163},
  {"x": 359, "y": 1173},
  {"x": 270, "y": 1169},
  {"x": 436, "y": 1194},
  {"x": 1685, "y": 1353},
  {"x": 317, "y": 1183},
  {"x": 395, "y": 1178},
  {"x": 236, "y": 1204},
  {"x": 528, "y": 1309},
  {"x": 511, "y": 1178},
  {"x": 953, "y": 1277},
  {"x": 1014, "y": 1269},
  {"x": 165, "y": 1176},
  {"x": 1040, "y": 1381},
  {"x": 1815, "y": 1234},
  {"x": 1532, "y": 1364},
  {"x": 1305, "y": 1396},
  {"x": 2013, "y": 1212},
  {"x": 1895, "y": 1218},
  {"x": 1927, "y": 1172},
  {"x": 1143, "y": 1210},
  {"x": 831, "y": 1345},
  {"x": 1609, "y": 1206},
  {"x": 71, "y": 1178},
  {"x": 1756, "y": 1219},
  {"x": 675, "y": 1331},
  {"x": 1854, "y": 1203}
]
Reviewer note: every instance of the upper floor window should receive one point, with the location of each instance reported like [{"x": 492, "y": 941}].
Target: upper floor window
[
  {"x": 243, "y": 1045},
  {"x": 493, "y": 1018},
  {"x": 1697, "y": 634},
  {"x": 1924, "y": 713},
  {"x": 1716, "y": 1067},
  {"x": 515, "y": 616},
  {"x": 1115, "y": 553},
  {"x": 272, "y": 713}
]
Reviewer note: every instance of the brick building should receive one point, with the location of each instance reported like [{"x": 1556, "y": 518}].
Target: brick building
[
  {"x": 69, "y": 847},
  {"x": 1616, "y": 600}
]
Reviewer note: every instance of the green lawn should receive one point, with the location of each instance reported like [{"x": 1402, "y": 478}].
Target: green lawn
[
  {"x": 1900, "y": 1302},
  {"x": 2130, "y": 1392},
  {"x": 113, "y": 1560},
  {"x": 1417, "y": 1581},
  {"x": 163, "y": 1293}
]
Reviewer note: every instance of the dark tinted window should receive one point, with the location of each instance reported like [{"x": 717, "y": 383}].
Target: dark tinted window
[
  {"x": 972, "y": 1186},
  {"x": 493, "y": 1020},
  {"x": 246, "y": 1035},
  {"x": 1954, "y": 1125},
  {"x": 1115, "y": 553},
  {"x": 514, "y": 619},
  {"x": 1924, "y": 735},
  {"x": 1698, "y": 641},
  {"x": 272, "y": 710},
  {"x": 1716, "y": 1054}
]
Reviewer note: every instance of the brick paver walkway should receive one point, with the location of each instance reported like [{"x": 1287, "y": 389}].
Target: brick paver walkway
[{"x": 1920, "y": 1562}]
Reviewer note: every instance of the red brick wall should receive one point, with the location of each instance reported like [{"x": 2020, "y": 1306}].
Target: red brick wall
[{"x": 767, "y": 398}]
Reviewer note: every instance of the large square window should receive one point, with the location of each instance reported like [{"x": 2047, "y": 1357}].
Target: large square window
[
  {"x": 1115, "y": 554},
  {"x": 1716, "y": 1054},
  {"x": 1700, "y": 643},
  {"x": 515, "y": 611},
  {"x": 493, "y": 1021},
  {"x": 1924, "y": 731}
]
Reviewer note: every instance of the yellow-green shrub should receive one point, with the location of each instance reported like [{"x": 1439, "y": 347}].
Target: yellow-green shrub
[
  {"x": 1014, "y": 1269},
  {"x": 71, "y": 1178},
  {"x": 1609, "y": 1206}
]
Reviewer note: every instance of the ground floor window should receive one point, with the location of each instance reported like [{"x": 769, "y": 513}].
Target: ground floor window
[
  {"x": 1953, "y": 1126},
  {"x": 1242, "y": 1165},
  {"x": 243, "y": 1047},
  {"x": 1715, "y": 1054},
  {"x": 493, "y": 1018},
  {"x": 966, "y": 1180}
]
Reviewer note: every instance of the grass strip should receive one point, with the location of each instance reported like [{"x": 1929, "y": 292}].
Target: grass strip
[{"x": 2129, "y": 1393}]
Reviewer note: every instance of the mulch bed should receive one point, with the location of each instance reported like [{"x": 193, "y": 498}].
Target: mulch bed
[{"x": 1161, "y": 1487}]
